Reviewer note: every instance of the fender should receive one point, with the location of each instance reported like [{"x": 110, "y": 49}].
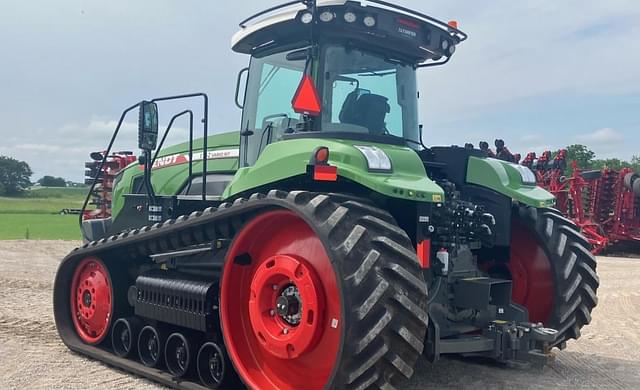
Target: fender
[
  {"x": 289, "y": 158},
  {"x": 506, "y": 178}
]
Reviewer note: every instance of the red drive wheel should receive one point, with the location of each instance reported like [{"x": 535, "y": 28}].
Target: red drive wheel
[
  {"x": 553, "y": 271},
  {"x": 91, "y": 300},
  {"x": 280, "y": 305},
  {"x": 531, "y": 274}
]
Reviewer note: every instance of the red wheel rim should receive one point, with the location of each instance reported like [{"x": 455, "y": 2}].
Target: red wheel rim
[
  {"x": 531, "y": 274},
  {"x": 281, "y": 312},
  {"x": 91, "y": 300}
]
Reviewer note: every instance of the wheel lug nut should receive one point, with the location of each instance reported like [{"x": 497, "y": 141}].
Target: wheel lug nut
[
  {"x": 285, "y": 330},
  {"x": 272, "y": 312},
  {"x": 274, "y": 287}
]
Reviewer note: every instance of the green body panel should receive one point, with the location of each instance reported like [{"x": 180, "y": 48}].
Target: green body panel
[
  {"x": 504, "y": 178},
  {"x": 171, "y": 178},
  {"x": 289, "y": 158}
]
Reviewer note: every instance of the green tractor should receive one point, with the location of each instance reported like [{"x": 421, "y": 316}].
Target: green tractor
[{"x": 323, "y": 245}]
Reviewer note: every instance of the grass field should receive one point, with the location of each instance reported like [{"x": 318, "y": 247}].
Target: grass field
[{"x": 36, "y": 214}]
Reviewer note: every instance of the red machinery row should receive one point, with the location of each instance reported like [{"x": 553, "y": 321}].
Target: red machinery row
[
  {"x": 604, "y": 203},
  {"x": 101, "y": 195}
]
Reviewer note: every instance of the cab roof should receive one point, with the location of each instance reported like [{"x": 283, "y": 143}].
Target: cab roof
[{"x": 404, "y": 34}]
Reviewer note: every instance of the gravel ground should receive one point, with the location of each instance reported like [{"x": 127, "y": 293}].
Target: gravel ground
[{"x": 32, "y": 356}]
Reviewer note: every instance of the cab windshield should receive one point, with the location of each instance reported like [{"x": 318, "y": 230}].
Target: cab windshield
[
  {"x": 362, "y": 94},
  {"x": 368, "y": 94}
]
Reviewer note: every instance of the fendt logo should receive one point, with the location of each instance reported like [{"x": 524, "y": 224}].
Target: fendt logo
[{"x": 176, "y": 159}]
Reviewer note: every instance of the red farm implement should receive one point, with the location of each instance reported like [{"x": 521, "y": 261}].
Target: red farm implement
[
  {"x": 605, "y": 203},
  {"x": 105, "y": 169}
]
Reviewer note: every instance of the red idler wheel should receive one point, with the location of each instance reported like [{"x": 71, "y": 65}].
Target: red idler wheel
[
  {"x": 531, "y": 274},
  {"x": 91, "y": 300},
  {"x": 280, "y": 304}
]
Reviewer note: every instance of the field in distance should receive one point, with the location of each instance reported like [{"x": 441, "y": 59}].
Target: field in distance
[{"x": 36, "y": 215}]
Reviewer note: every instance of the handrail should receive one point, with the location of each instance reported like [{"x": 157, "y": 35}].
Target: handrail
[
  {"x": 205, "y": 126},
  {"x": 205, "y": 122},
  {"x": 99, "y": 171},
  {"x": 166, "y": 133}
]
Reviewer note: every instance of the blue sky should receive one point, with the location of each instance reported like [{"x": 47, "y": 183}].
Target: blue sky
[{"x": 539, "y": 74}]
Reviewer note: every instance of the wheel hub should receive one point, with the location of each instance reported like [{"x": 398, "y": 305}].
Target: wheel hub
[
  {"x": 86, "y": 298},
  {"x": 285, "y": 294},
  {"x": 215, "y": 366},
  {"x": 152, "y": 347},
  {"x": 289, "y": 305},
  {"x": 181, "y": 356},
  {"x": 124, "y": 337}
]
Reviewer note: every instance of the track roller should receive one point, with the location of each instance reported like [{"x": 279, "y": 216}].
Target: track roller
[
  {"x": 177, "y": 354},
  {"x": 124, "y": 336},
  {"x": 212, "y": 364},
  {"x": 150, "y": 343}
]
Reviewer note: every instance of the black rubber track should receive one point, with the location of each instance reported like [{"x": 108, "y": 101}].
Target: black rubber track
[
  {"x": 573, "y": 267},
  {"x": 384, "y": 293}
]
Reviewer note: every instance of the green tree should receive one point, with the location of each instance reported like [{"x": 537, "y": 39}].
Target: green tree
[
  {"x": 50, "y": 181},
  {"x": 611, "y": 163},
  {"x": 582, "y": 155},
  {"x": 15, "y": 176},
  {"x": 635, "y": 163}
]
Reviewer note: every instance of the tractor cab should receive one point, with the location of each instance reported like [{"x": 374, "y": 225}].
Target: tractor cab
[{"x": 336, "y": 69}]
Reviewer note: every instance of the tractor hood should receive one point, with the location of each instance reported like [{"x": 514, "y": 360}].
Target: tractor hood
[
  {"x": 512, "y": 180},
  {"x": 403, "y": 177}
]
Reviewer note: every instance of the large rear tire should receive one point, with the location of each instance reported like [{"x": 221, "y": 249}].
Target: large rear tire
[
  {"x": 353, "y": 280},
  {"x": 553, "y": 271}
]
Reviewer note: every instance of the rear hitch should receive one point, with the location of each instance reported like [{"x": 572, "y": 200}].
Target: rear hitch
[{"x": 521, "y": 344}]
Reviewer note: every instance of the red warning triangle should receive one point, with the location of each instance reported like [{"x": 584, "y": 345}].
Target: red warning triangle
[{"x": 306, "y": 100}]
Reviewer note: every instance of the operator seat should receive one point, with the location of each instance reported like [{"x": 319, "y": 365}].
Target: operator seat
[
  {"x": 367, "y": 110},
  {"x": 348, "y": 113}
]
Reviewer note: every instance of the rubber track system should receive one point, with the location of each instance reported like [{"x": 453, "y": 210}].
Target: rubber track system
[
  {"x": 384, "y": 294},
  {"x": 573, "y": 267}
]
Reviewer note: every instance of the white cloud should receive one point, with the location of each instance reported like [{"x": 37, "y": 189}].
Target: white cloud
[
  {"x": 604, "y": 136},
  {"x": 606, "y": 143},
  {"x": 519, "y": 50},
  {"x": 62, "y": 151}
]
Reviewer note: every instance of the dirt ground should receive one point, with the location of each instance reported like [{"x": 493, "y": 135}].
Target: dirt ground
[{"x": 32, "y": 356}]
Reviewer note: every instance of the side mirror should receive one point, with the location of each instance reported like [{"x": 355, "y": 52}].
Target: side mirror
[{"x": 148, "y": 125}]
